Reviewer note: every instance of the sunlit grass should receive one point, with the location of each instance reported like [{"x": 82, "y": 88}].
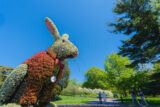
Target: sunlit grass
[
  {"x": 73, "y": 100},
  {"x": 152, "y": 101}
]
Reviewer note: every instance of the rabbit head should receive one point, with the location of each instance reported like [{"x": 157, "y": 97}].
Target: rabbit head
[{"x": 62, "y": 46}]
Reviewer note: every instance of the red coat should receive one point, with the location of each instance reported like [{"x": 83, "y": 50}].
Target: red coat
[{"x": 39, "y": 86}]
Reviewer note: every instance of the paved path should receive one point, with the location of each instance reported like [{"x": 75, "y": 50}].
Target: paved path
[{"x": 110, "y": 102}]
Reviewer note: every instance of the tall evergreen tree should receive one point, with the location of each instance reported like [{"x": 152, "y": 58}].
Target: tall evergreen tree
[
  {"x": 139, "y": 20},
  {"x": 152, "y": 87}
]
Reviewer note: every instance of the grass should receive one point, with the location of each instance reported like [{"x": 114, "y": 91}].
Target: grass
[
  {"x": 73, "y": 100},
  {"x": 152, "y": 101}
]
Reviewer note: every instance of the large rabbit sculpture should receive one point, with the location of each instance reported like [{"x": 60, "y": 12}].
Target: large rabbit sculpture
[{"x": 34, "y": 81}]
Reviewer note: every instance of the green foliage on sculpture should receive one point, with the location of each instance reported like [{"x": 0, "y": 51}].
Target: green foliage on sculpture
[
  {"x": 12, "y": 82},
  {"x": 1, "y": 82},
  {"x": 17, "y": 105},
  {"x": 17, "y": 95},
  {"x": 62, "y": 46}
]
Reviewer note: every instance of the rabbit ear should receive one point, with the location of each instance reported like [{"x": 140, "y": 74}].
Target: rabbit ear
[{"x": 52, "y": 28}]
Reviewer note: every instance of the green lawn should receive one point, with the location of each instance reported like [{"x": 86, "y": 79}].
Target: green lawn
[
  {"x": 150, "y": 100},
  {"x": 73, "y": 100}
]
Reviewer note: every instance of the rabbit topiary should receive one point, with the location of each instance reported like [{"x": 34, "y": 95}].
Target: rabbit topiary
[{"x": 34, "y": 81}]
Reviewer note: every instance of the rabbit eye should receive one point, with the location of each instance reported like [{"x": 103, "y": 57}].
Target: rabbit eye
[{"x": 63, "y": 40}]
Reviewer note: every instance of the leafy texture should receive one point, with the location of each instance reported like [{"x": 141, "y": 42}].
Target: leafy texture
[
  {"x": 40, "y": 70},
  {"x": 95, "y": 78},
  {"x": 16, "y": 105},
  {"x": 138, "y": 19},
  {"x": 12, "y": 82},
  {"x": 156, "y": 3},
  {"x": 72, "y": 88},
  {"x": 153, "y": 85},
  {"x": 117, "y": 72},
  {"x": 63, "y": 82}
]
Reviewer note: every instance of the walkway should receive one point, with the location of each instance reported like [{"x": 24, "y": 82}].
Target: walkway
[{"x": 111, "y": 102}]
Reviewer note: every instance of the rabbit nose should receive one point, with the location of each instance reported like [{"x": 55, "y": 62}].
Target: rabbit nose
[{"x": 76, "y": 54}]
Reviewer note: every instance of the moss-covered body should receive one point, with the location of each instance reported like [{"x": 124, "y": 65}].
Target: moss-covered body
[{"x": 12, "y": 82}]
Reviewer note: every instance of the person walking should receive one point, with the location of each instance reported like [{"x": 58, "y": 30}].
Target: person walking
[
  {"x": 134, "y": 97},
  {"x": 100, "y": 97},
  {"x": 104, "y": 96},
  {"x": 140, "y": 93}
]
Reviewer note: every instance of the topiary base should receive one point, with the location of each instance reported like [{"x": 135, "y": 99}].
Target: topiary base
[{"x": 17, "y": 105}]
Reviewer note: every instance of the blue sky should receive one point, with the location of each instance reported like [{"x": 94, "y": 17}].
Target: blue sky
[{"x": 23, "y": 32}]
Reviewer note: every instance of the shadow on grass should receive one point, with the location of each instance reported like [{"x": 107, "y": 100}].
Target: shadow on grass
[
  {"x": 150, "y": 101},
  {"x": 57, "y": 98}
]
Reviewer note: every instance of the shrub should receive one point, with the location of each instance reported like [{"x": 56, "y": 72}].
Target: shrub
[{"x": 73, "y": 90}]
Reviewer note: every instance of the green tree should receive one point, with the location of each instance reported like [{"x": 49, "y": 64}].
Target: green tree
[
  {"x": 140, "y": 78},
  {"x": 117, "y": 72},
  {"x": 95, "y": 78},
  {"x": 72, "y": 88},
  {"x": 73, "y": 81},
  {"x": 138, "y": 19},
  {"x": 65, "y": 77},
  {"x": 156, "y": 67},
  {"x": 153, "y": 85},
  {"x": 156, "y": 3}
]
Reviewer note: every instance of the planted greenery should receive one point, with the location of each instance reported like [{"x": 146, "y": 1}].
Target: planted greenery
[
  {"x": 12, "y": 82},
  {"x": 95, "y": 78},
  {"x": 17, "y": 105},
  {"x": 74, "y": 89},
  {"x": 74, "y": 100},
  {"x": 62, "y": 84},
  {"x": 39, "y": 68},
  {"x": 118, "y": 75},
  {"x": 152, "y": 101}
]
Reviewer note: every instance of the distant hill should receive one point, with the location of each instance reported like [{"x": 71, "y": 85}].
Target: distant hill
[{"x": 4, "y": 71}]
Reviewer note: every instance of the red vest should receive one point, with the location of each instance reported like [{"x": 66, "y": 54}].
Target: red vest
[{"x": 40, "y": 66}]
